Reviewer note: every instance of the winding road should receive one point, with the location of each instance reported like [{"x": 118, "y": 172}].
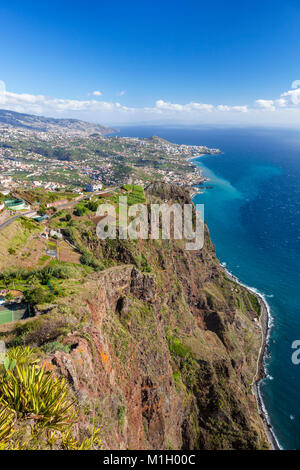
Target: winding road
[{"x": 9, "y": 221}]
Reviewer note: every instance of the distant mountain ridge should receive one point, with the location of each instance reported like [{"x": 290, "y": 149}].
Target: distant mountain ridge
[{"x": 44, "y": 124}]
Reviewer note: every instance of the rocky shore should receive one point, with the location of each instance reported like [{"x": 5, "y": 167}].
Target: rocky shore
[{"x": 260, "y": 372}]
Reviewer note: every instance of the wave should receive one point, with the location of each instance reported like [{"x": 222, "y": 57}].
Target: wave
[
  {"x": 262, "y": 296},
  {"x": 266, "y": 414},
  {"x": 270, "y": 324}
]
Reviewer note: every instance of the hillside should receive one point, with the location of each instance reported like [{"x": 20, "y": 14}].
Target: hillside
[
  {"x": 157, "y": 347},
  {"x": 45, "y": 124}
]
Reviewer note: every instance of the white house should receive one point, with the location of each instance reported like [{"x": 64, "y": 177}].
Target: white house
[{"x": 93, "y": 187}]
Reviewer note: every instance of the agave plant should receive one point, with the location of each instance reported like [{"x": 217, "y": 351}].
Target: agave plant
[
  {"x": 22, "y": 355},
  {"x": 35, "y": 393},
  {"x": 6, "y": 424},
  {"x": 93, "y": 442},
  {"x": 9, "y": 364}
]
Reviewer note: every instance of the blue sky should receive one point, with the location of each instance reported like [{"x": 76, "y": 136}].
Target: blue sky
[{"x": 153, "y": 60}]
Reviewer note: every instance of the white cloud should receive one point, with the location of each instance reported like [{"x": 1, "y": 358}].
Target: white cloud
[
  {"x": 240, "y": 109},
  {"x": 122, "y": 93},
  {"x": 291, "y": 97},
  {"x": 190, "y": 107},
  {"x": 40, "y": 104},
  {"x": 283, "y": 110},
  {"x": 281, "y": 102},
  {"x": 197, "y": 107},
  {"x": 296, "y": 84},
  {"x": 223, "y": 107},
  {"x": 266, "y": 104}
]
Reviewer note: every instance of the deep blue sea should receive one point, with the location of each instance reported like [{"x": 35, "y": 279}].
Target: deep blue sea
[{"x": 253, "y": 215}]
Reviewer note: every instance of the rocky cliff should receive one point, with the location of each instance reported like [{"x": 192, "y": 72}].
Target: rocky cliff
[{"x": 160, "y": 349}]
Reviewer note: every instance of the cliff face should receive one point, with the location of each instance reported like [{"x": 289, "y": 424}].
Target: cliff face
[{"x": 162, "y": 348}]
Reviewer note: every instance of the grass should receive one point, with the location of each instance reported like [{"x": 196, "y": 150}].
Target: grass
[
  {"x": 135, "y": 194},
  {"x": 6, "y": 316},
  {"x": 176, "y": 347},
  {"x": 51, "y": 245},
  {"x": 43, "y": 260}
]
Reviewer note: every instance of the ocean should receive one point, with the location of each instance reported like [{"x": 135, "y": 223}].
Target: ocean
[{"x": 252, "y": 211}]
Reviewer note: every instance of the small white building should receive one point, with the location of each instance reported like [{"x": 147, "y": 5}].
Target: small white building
[
  {"x": 54, "y": 233},
  {"x": 93, "y": 187}
]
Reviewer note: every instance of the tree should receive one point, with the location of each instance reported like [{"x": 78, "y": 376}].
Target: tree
[{"x": 38, "y": 295}]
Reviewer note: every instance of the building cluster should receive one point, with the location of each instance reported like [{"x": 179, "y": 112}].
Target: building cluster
[{"x": 94, "y": 161}]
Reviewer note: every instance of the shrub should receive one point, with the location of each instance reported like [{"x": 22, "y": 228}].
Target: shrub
[
  {"x": 88, "y": 259},
  {"x": 42, "y": 209},
  {"x": 93, "y": 442},
  {"x": 80, "y": 210},
  {"x": 44, "y": 331},
  {"x": 56, "y": 346},
  {"x": 176, "y": 347},
  {"x": 121, "y": 415},
  {"x": 93, "y": 205},
  {"x": 38, "y": 295},
  {"x": 59, "y": 271}
]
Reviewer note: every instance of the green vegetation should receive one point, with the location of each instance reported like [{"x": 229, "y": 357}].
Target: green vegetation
[
  {"x": 177, "y": 348},
  {"x": 80, "y": 210},
  {"x": 255, "y": 303},
  {"x": 31, "y": 391},
  {"x": 143, "y": 263},
  {"x": 28, "y": 391},
  {"x": 54, "y": 346},
  {"x": 135, "y": 194},
  {"x": 38, "y": 295},
  {"x": 43, "y": 259},
  {"x": 14, "y": 238},
  {"x": 6, "y": 424},
  {"x": 122, "y": 413},
  {"x": 37, "y": 285},
  {"x": 45, "y": 197},
  {"x": 23, "y": 355}
]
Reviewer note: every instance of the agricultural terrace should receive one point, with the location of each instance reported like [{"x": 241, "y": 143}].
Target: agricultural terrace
[{"x": 42, "y": 196}]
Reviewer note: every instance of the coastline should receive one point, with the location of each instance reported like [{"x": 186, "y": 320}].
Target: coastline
[
  {"x": 197, "y": 156},
  {"x": 265, "y": 325},
  {"x": 194, "y": 190}
]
